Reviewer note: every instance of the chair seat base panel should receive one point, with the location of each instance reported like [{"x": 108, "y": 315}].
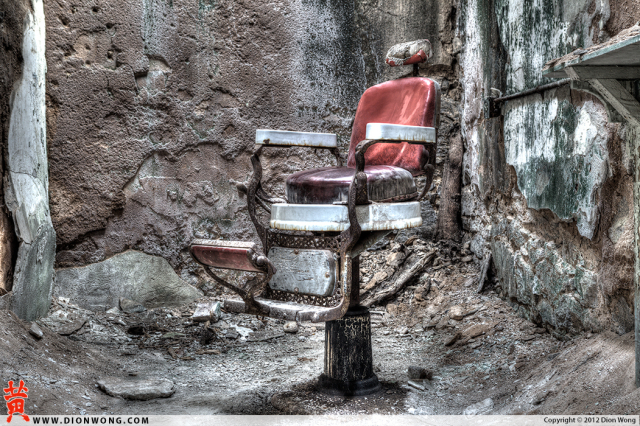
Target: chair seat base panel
[
  {"x": 236, "y": 255},
  {"x": 304, "y": 271},
  {"x": 288, "y": 311},
  {"x": 334, "y": 218}
]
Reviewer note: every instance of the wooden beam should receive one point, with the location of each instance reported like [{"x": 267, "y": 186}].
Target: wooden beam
[
  {"x": 619, "y": 98},
  {"x": 584, "y": 72}
]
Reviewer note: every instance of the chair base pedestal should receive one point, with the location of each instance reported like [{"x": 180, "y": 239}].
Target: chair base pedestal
[{"x": 348, "y": 360}]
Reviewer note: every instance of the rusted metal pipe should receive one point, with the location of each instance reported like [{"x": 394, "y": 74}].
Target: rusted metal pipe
[
  {"x": 492, "y": 105},
  {"x": 537, "y": 89}
]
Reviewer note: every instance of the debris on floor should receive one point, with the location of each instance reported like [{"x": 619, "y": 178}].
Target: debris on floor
[
  {"x": 469, "y": 353},
  {"x": 135, "y": 389}
]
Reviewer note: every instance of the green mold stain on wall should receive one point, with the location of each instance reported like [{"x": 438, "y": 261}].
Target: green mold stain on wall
[{"x": 559, "y": 152}]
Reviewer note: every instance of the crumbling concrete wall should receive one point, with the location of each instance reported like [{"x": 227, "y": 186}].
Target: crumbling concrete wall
[
  {"x": 26, "y": 178},
  {"x": 548, "y": 186},
  {"x": 153, "y": 105},
  {"x": 12, "y": 18}
]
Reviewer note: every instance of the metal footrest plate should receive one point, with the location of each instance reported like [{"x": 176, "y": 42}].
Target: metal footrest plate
[{"x": 225, "y": 254}]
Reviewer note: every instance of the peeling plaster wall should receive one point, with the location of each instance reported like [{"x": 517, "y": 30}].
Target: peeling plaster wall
[
  {"x": 548, "y": 186},
  {"x": 12, "y": 21},
  {"x": 559, "y": 153},
  {"x": 26, "y": 181},
  {"x": 153, "y": 105}
]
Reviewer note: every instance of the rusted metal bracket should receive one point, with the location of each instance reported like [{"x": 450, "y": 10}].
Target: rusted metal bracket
[{"x": 493, "y": 105}]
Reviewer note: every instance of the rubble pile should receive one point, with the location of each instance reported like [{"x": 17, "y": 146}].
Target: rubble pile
[{"x": 440, "y": 347}]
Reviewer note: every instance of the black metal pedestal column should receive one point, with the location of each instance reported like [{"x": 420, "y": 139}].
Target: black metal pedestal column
[{"x": 348, "y": 358}]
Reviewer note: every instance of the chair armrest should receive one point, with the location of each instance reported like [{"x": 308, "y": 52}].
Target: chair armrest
[
  {"x": 392, "y": 133},
  {"x": 284, "y": 138},
  {"x": 400, "y": 133}
]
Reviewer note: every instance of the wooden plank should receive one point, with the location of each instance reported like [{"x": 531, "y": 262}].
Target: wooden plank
[
  {"x": 624, "y": 53},
  {"x": 619, "y": 98},
  {"x": 622, "y": 50},
  {"x": 555, "y": 73},
  {"x": 584, "y": 72}
]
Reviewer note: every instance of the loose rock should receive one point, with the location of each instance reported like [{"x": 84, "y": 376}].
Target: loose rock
[
  {"x": 232, "y": 334},
  {"x": 458, "y": 312},
  {"x": 133, "y": 275},
  {"x": 482, "y": 407},
  {"x": 290, "y": 327},
  {"x": 63, "y": 326},
  {"x": 477, "y": 330},
  {"x": 136, "y": 389},
  {"x": 209, "y": 311},
  {"x": 35, "y": 331},
  {"x": 130, "y": 306},
  {"x": 451, "y": 340}
]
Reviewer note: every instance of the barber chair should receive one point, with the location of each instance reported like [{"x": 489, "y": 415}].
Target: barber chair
[{"x": 307, "y": 263}]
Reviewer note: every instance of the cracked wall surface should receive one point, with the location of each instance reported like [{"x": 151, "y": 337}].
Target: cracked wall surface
[
  {"x": 153, "y": 105},
  {"x": 548, "y": 186},
  {"x": 11, "y": 34}
]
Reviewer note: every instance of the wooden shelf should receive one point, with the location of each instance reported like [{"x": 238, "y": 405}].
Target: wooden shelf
[{"x": 618, "y": 58}]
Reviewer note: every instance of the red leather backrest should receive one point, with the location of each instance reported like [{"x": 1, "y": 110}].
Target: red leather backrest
[{"x": 413, "y": 101}]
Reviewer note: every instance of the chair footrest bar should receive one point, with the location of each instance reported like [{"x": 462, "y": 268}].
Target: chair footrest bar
[{"x": 288, "y": 311}]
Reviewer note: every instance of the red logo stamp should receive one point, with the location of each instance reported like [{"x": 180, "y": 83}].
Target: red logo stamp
[{"x": 15, "y": 400}]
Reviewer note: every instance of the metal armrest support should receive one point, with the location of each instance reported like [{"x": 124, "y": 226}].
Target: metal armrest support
[
  {"x": 256, "y": 195},
  {"x": 348, "y": 237},
  {"x": 284, "y": 139},
  {"x": 288, "y": 139},
  {"x": 393, "y": 133}
]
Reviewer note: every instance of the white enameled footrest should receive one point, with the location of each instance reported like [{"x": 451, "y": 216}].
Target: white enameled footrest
[{"x": 334, "y": 218}]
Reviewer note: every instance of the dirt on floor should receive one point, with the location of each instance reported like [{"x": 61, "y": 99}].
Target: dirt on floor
[{"x": 482, "y": 357}]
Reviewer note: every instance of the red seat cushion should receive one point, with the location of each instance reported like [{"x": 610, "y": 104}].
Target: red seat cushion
[
  {"x": 331, "y": 184},
  {"x": 413, "y": 101}
]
